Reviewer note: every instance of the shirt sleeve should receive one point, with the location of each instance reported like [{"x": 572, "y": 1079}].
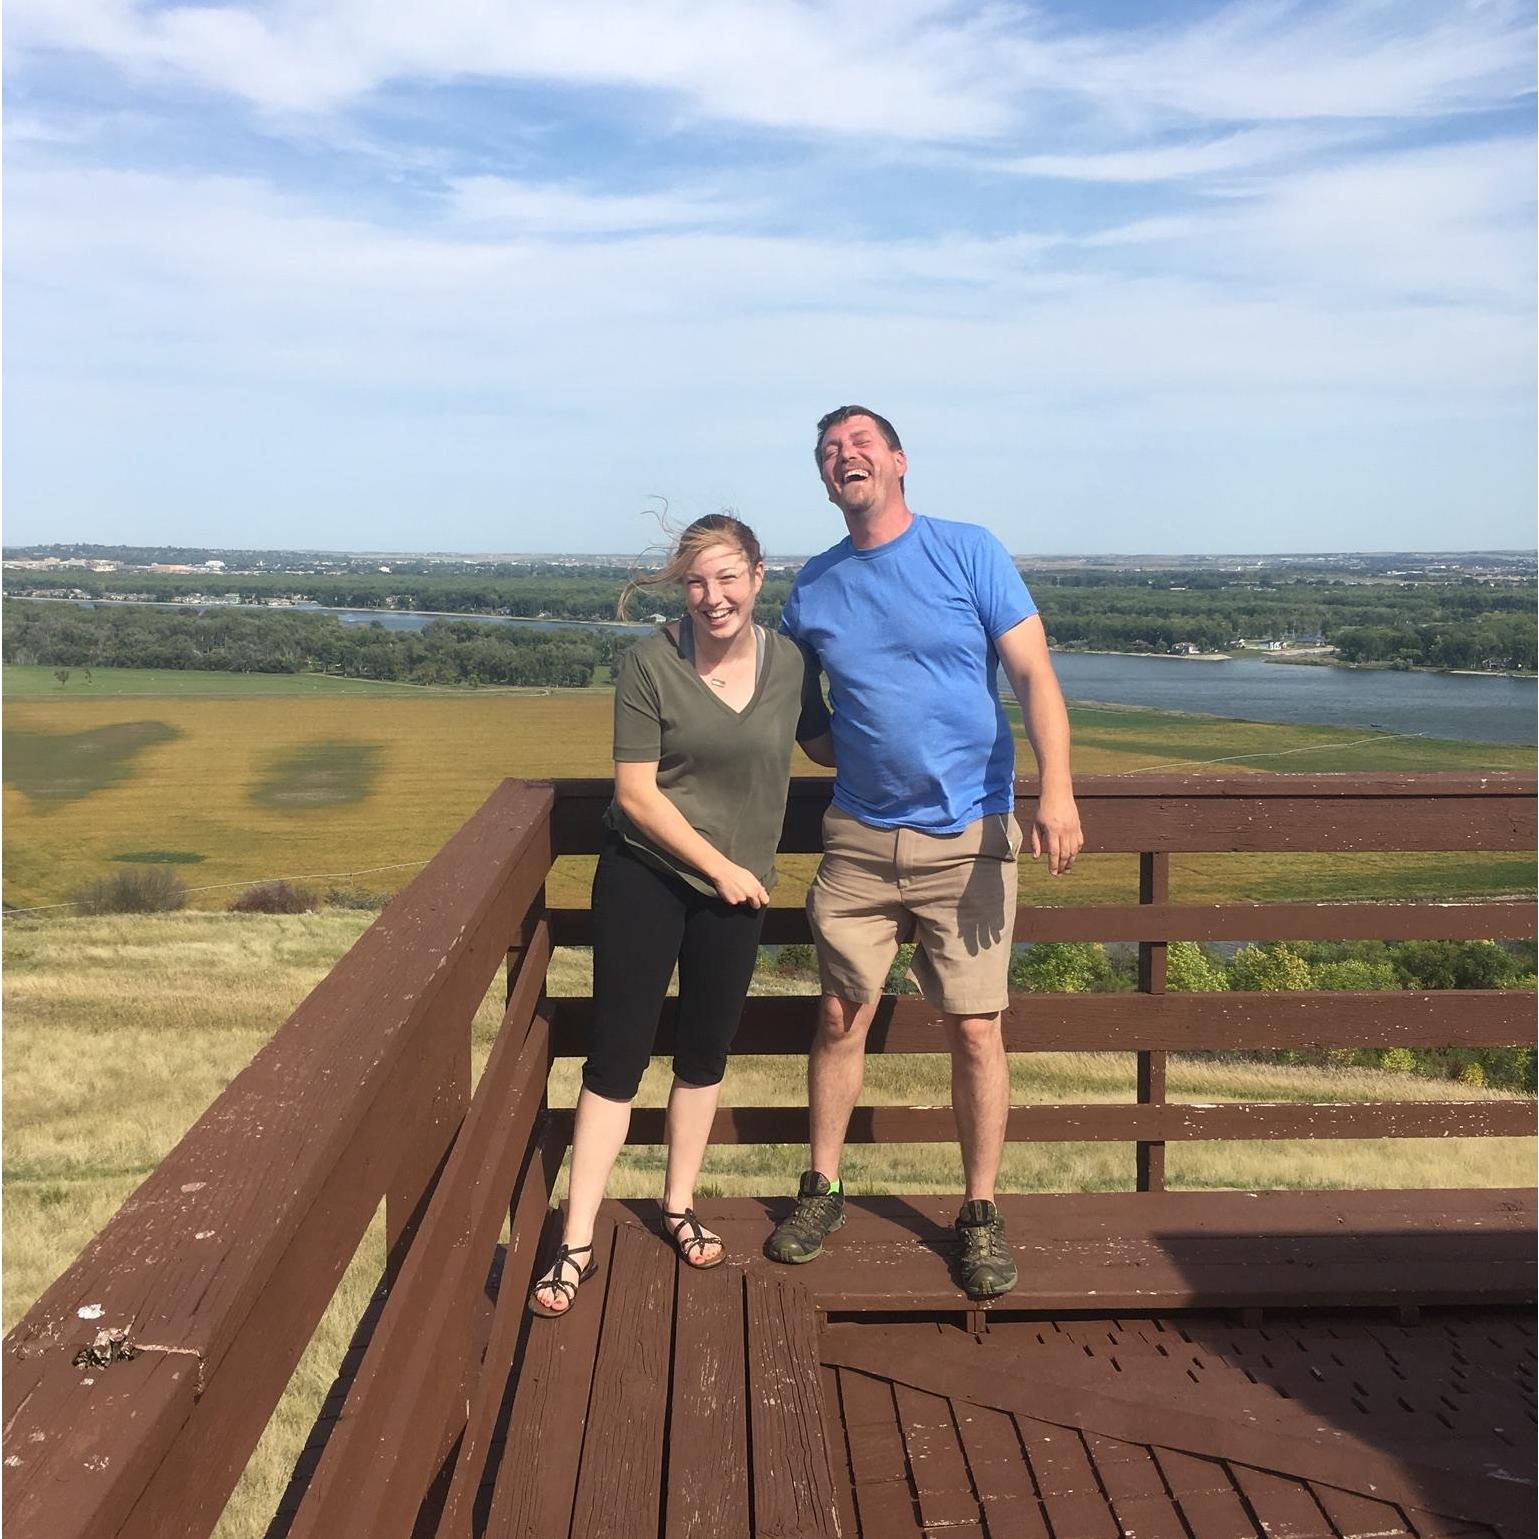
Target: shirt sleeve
[
  {"x": 790, "y": 614},
  {"x": 815, "y": 720},
  {"x": 638, "y": 714},
  {"x": 1000, "y": 591}
]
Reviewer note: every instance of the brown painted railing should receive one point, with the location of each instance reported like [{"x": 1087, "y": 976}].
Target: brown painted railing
[{"x": 199, "y": 1296}]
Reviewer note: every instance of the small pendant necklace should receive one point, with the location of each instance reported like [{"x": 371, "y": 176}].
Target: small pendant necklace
[{"x": 715, "y": 683}]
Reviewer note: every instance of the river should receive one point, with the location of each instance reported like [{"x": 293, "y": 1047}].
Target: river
[{"x": 1481, "y": 709}]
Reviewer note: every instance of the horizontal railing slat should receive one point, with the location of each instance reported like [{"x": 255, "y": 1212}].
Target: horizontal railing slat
[
  {"x": 1193, "y": 922},
  {"x": 239, "y": 1235},
  {"x": 1197, "y": 813},
  {"x": 1223, "y": 1021},
  {"x": 1169, "y": 1121}
]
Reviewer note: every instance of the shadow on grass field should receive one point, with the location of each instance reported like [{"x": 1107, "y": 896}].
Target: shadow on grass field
[
  {"x": 319, "y": 775},
  {"x": 120, "y": 1031},
  {"x": 51, "y": 768}
]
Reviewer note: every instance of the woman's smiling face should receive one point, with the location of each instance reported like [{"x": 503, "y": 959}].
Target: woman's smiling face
[{"x": 719, "y": 591}]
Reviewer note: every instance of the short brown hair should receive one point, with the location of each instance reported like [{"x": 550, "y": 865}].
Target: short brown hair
[
  {"x": 844, "y": 413},
  {"x": 714, "y": 529}
]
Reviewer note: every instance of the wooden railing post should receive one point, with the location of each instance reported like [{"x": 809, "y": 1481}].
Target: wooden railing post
[{"x": 1153, "y": 887}]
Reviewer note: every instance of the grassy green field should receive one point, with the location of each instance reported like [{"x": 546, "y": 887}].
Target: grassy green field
[
  {"x": 120, "y": 1031},
  {"x": 24, "y": 683},
  {"x": 248, "y": 786}
]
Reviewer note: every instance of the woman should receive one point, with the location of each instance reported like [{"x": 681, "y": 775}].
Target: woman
[{"x": 705, "y": 712}]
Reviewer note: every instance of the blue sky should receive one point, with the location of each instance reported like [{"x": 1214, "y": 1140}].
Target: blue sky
[{"x": 480, "y": 276}]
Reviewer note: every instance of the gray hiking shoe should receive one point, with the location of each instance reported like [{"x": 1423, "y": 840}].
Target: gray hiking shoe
[
  {"x": 988, "y": 1268},
  {"x": 818, "y": 1212}
]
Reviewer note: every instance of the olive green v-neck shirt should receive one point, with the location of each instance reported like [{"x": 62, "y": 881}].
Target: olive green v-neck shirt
[{"x": 727, "y": 771}]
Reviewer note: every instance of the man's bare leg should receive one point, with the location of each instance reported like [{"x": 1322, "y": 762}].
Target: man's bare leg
[
  {"x": 835, "y": 1071},
  {"x": 980, "y": 1096}
]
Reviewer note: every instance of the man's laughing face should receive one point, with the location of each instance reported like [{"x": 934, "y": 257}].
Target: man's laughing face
[{"x": 860, "y": 473}]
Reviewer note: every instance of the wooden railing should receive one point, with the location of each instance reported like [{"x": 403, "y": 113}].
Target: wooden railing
[{"x": 137, "y": 1386}]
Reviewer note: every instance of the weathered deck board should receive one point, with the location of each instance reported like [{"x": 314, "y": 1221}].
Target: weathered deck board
[
  {"x": 619, "y": 1482},
  {"x": 536, "y": 1482},
  {"x": 793, "y": 1488},
  {"x": 708, "y": 1431}
]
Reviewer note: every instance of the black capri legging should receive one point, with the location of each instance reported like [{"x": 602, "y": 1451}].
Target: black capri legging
[{"x": 645, "y": 920}]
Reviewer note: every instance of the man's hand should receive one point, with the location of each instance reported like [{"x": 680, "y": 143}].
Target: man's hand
[
  {"x": 1055, "y": 829},
  {"x": 736, "y": 884}
]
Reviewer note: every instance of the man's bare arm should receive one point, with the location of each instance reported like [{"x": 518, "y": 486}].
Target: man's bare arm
[{"x": 1055, "y": 824}]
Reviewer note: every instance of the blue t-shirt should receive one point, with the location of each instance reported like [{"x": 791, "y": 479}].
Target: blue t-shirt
[{"x": 905, "y": 632}]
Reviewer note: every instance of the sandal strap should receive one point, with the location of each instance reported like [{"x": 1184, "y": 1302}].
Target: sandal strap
[
  {"x": 565, "y": 1255},
  {"x": 699, "y": 1239}
]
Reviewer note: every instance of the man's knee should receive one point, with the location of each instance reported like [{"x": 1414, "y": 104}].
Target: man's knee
[
  {"x": 843, "y": 1022},
  {"x": 975, "y": 1036}
]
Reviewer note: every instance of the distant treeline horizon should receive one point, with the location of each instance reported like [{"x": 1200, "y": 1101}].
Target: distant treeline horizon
[
  {"x": 1525, "y": 559},
  {"x": 1464, "y": 624}
]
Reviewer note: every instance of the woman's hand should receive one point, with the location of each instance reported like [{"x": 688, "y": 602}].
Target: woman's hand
[{"x": 736, "y": 885}]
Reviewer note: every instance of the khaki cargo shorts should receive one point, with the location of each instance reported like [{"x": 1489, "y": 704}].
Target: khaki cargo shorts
[{"x": 953, "y": 894}]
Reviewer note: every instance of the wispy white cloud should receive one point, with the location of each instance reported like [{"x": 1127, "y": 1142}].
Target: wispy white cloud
[
  {"x": 1247, "y": 150},
  {"x": 915, "y": 71},
  {"x": 496, "y": 203},
  {"x": 1268, "y": 60}
]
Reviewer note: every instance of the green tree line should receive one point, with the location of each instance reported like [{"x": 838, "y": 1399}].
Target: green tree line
[
  {"x": 288, "y": 641},
  {"x": 589, "y": 595},
  {"x": 1461, "y": 624}
]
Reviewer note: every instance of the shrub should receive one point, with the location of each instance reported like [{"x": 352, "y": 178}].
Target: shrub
[
  {"x": 1062, "y": 967},
  {"x": 1354, "y": 973},
  {"x": 274, "y": 898},
  {"x": 1271, "y": 968},
  {"x": 139, "y": 890},
  {"x": 1472, "y": 1074},
  {"x": 1398, "y": 1060},
  {"x": 353, "y": 897},
  {"x": 1455, "y": 964},
  {"x": 796, "y": 958},
  {"x": 897, "y": 981},
  {"x": 1193, "y": 969}
]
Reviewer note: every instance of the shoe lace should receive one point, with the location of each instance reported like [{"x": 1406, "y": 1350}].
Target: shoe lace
[
  {"x": 813, "y": 1215},
  {"x": 983, "y": 1242}
]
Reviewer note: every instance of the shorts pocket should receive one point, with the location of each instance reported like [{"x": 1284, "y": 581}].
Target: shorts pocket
[{"x": 1000, "y": 837}]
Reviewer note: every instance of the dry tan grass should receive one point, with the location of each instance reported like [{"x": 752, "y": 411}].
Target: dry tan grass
[{"x": 121, "y": 1031}]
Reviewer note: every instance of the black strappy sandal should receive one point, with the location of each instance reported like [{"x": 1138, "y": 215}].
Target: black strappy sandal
[
  {"x": 562, "y": 1285},
  {"x": 697, "y": 1241}
]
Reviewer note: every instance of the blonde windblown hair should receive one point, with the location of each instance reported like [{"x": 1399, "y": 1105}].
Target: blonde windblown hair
[{"x": 712, "y": 530}]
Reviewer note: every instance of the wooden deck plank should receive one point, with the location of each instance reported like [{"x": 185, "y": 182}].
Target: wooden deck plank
[
  {"x": 793, "y": 1495},
  {"x": 619, "y": 1481},
  {"x": 1149, "y": 1517},
  {"x": 1216, "y": 1515},
  {"x": 884, "y": 1494},
  {"x": 935, "y": 1459},
  {"x": 536, "y": 1483},
  {"x": 1284, "y": 1507},
  {"x": 708, "y": 1428},
  {"x": 839, "y": 1452},
  {"x": 1359, "y": 1517}
]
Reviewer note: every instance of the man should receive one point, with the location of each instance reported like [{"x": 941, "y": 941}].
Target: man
[{"x": 910, "y": 619}]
